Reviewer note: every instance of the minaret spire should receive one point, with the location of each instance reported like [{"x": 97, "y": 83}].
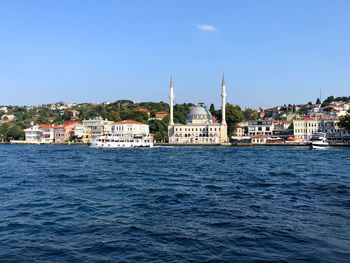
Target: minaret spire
[
  {"x": 223, "y": 96},
  {"x": 171, "y": 121}
]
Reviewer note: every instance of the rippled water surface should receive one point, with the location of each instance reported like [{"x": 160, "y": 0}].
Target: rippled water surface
[{"x": 174, "y": 204}]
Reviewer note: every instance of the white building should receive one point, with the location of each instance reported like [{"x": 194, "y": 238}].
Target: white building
[
  {"x": 305, "y": 127},
  {"x": 48, "y": 133},
  {"x": 4, "y": 109},
  {"x": 200, "y": 127},
  {"x": 260, "y": 127},
  {"x": 80, "y": 130},
  {"x": 258, "y": 139},
  {"x": 33, "y": 134},
  {"x": 9, "y": 117},
  {"x": 129, "y": 127}
]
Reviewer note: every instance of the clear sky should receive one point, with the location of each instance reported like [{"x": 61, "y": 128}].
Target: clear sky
[{"x": 272, "y": 52}]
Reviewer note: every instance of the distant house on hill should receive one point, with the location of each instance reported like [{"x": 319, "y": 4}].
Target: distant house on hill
[
  {"x": 142, "y": 110},
  {"x": 161, "y": 114}
]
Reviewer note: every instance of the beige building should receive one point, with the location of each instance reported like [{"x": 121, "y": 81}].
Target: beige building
[
  {"x": 96, "y": 127},
  {"x": 305, "y": 127},
  {"x": 200, "y": 127},
  {"x": 129, "y": 127}
]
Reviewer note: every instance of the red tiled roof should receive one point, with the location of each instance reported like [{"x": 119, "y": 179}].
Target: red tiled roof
[
  {"x": 44, "y": 126},
  {"x": 128, "y": 122},
  {"x": 305, "y": 119},
  {"x": 141, "y": 109},
  {"x": 66, "y": 123},
  {"x": 161, "y": 112}
]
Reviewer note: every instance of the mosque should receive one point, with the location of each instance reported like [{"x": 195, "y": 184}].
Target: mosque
[{"x": 200, "y": 127}]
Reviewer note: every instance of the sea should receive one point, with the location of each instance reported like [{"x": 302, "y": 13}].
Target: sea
[{"x": 174, "y": 204}]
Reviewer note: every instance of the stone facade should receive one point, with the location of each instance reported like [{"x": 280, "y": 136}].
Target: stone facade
[{"x": 200, "y": 127}]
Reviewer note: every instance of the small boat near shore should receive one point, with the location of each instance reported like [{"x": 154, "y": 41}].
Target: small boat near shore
[
  {"x": 110, "y": 140},
  {"x": 319, "y": 141}
]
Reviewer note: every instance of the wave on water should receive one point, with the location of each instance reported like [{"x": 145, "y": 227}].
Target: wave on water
[{"x": 174, "y": 204}]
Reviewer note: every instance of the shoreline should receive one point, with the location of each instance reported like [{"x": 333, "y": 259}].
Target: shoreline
[{"x": 184, "y": 145}]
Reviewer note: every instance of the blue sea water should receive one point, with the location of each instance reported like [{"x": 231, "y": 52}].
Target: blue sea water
[{"x": 174, "y": 204}]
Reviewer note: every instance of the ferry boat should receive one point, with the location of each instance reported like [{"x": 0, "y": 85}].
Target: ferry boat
[
  {"x": 110, "y": 140},
  {"x": 319, "y": 141}
]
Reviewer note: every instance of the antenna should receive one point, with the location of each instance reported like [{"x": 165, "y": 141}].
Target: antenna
[{"x": 320, "y": 95}]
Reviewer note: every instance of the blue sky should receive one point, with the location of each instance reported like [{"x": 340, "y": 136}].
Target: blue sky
[{"x": 272, "y": 52}]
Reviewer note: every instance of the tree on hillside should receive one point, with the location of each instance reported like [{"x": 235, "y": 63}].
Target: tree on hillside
[
  {"x": 15, "y": 133},
  {"x": 318, "y": 101},
  {"x": 329, "y": 99},
  {"x": 215, "y": 113},
  {"x": 250, "y": 114},
  {"x": 139, "y": 116},
  {"x": 160, "y": 129},
  {"x": 234, "y": 115},
  {"x": 4, "y": 128},
  {"x": 181, "y": 111},
  {"x": 125, "y": 114},
  {"x": 345, "y": 122},
  {"x": 42, "y": 119},
  {"x": 113, "y": 116}
]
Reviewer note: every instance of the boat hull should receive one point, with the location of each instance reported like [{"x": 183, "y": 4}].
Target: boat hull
[
  {"x": 115, "y": 141},
  {"x": 319, "y": 146}
]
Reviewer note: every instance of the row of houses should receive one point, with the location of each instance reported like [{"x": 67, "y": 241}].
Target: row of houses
[
  {"x": 84, "y": 132},
  {"x": 262, "y": 131}
]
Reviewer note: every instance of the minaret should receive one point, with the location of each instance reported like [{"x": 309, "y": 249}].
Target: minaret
[
  {"x": 223, "y": 96},
  {"x": 171, "y": 121}
]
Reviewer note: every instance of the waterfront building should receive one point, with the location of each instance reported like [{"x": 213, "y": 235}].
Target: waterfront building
[
  {"x": 80, "y": 133},
  {"x": 305, "y": 127},
  {"x": 240, "y": 130},
  {"x": 64, "y": 132},
  {"x": 260, "y": 127},
  {"x": 60, "y": 135},
  {"x": 48, "y": 133},
  {"x": 258, "y": 139},
  {"x": 200, "y": 127},
  {"x": 96, "y": 127},
  {"x": 128, "y": 127},
  {"x": 33, "y": 134}
]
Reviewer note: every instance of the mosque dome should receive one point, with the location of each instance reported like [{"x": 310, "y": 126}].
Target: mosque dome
[{"x": 199, "y": 114}]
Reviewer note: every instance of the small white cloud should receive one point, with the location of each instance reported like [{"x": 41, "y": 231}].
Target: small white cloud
[{"x": 206, "y": 27}]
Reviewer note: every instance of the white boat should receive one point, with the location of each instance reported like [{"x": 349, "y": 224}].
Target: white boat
[
  {"x": 319, "y": 141},
  {"x": 110, "y": 140}
]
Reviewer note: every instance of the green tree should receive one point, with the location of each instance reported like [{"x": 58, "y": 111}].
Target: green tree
[
  {"x": 160, "y": 129},
  {"x": 125, "y": 114},
  {"x": 4, "y": 128},
  {"x": 345, "y": 122},
  {"x": 42, "y": 119},
  {"x": 181, "y": 111},
  {"x": 212, "y": 107},
  {"x": 318, "y": 101},
  {"x": 139, "y": 116},
  {"x": 250, "y": 114},
  {"x": 113, "y": 116},
  {"x": 234, "y": 115},
  {"x": 329, "y": 99},
  {"x": 15, "y": 133}
]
